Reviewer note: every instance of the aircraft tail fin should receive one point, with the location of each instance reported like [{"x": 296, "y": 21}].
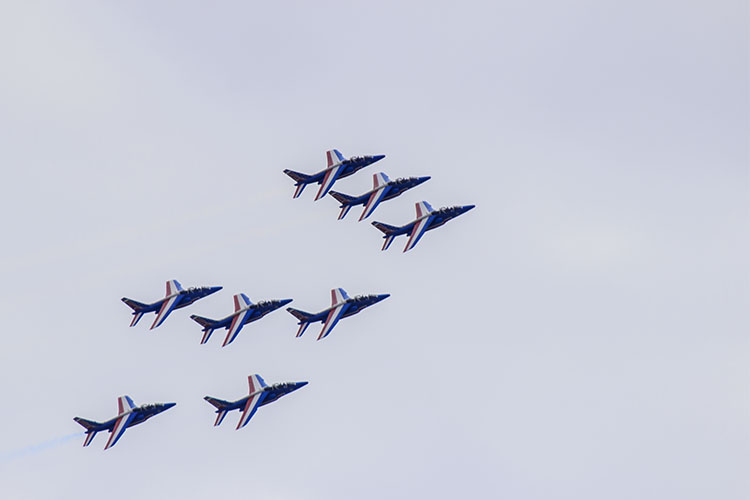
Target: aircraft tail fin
[
  {"x": 220, "y": 404},
  {"x": 90, "y": 426},
  {"x": 345, "y": 201},
  {"x": 303, "y": 317},
  {"x": 389, "y": 231},
  {"x": 221, "y": 408},
  {"x": 301, "y": 180},
  {"x": 137, "y": 307},
  {"x": 341, "y": 197},
  {"x": 209, "y": 325}
]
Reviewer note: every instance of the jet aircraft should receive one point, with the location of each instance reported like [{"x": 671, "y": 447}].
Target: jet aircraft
[
  {"x": 176, "y": 298},
  {"x": 128, "y": 415},
  {"x": 341, "y": 307},
  {"x": 338, "y": 168},
  {"x": 260, "y": 394},
  {"x": 383, "y": 189},
  {"x": 427, "y": 219},
  {"x": 244, "y": 312}
]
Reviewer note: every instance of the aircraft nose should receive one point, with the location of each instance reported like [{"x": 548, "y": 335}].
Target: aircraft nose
[
  {"x": 215, "y": 289},
  {"x": 284, "y": 302},
  {"x": 168, "y": 406},
  {"x": 466, "y": 208},
  {"x": 377, "y": 158},
  {"x": 383, "y": 296},
  {"x": 423, "y": 179}
]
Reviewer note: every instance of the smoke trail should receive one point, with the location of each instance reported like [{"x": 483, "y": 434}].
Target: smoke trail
[{"x": 35, "y": 449}]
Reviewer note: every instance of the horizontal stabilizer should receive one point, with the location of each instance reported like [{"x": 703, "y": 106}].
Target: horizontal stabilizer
[
  {"x": 136, "y": 317},
  {"x": 301, "y": 179},
  {"x": 209, "y": 325},
  {"x": 220, "y": 417},
  {"x": 387, "y": 242},
  {"x": 89, "y": 437},
  {"x": 344, "y": 210}
]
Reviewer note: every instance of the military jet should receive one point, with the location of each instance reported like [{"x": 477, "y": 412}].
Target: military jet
[
  {"x": 244, "y": 312},
  {"x": 176, "y": 298},
  {"x": 383, "y": 189},
  {"x": 427, "y": 219},
  {"x": 128, "y": 415},
  {"x": 260, "y": 394},
  {"x": 338, "y": 168},
  {"x": 341, "y": 307}
]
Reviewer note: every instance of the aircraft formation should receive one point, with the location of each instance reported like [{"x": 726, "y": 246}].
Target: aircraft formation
[{"x": 245, "y": 311}]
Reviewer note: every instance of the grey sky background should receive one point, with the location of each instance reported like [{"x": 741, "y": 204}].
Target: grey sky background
[{"x": 581, "y": 334}]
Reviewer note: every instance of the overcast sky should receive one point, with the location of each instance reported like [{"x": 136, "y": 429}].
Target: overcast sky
[{"x": 581, "y": 334}]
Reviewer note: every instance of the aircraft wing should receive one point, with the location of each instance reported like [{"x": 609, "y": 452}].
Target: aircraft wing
[
  {"x": 166, "y": 308},
  {"x": 373, "y": 202},
  {"x": 333, "y": 317},
  {"x": 119, "y": 428},
  {"x": 253, "y": 402},
  {"x": 236, "y": 326},
  {"x": 328, "y": 180},
  {"x": 416, "y": 233}
]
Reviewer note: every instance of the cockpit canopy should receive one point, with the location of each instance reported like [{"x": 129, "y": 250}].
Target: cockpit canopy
[
  {"x": 282, "y": 385},
  {"x": 446, "y": 210},
  {"x": 196, "y": 289},
  {"x": 362, "y": 298},
  {"x": 404, "y": 180}
]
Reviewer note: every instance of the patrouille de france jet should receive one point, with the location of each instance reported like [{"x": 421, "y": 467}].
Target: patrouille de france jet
[
  {"x": 383, "y": 189},
  {"x": 341, "y": 307},
  {"x": 176, "y": 298},
  {"x": 128, "y": 415},
  {"x": 338, "y": 168},
  {"x": 260, "y": 394},
  {"x": 427, "y": 219},
  {"x": 244, "y": 312}
]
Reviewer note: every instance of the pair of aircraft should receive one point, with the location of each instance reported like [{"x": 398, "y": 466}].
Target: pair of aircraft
[
  {"x": 383, "y": 189},
  {"x": 244, "y": 310},
  {"x": 128, "y": 414},
  {"x": 342, "y": 306}
]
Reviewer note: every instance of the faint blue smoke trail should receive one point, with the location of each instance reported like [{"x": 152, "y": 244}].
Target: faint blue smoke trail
[{"x": 35, "y": 449}]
